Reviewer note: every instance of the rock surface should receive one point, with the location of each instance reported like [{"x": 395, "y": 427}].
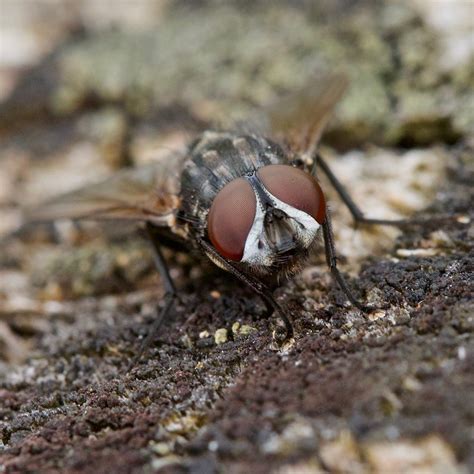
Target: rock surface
[{"x": 386, "y": 392}]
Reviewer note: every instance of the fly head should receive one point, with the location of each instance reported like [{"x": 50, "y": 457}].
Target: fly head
[{"x": 267, "y": 221}]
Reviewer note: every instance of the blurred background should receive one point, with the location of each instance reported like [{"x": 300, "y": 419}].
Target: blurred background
[{"x": 88, "y": 87}]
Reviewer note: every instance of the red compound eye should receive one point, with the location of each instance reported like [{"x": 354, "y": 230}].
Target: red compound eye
[
  {"x": 296, "y": 188},
  {"x": 231, "y": 217}
]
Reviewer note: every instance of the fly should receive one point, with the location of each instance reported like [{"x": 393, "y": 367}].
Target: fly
[{"x": 250, "y": 202}]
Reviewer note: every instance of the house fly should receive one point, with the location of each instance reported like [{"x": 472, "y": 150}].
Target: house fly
[{"x": 249, "y": 202}]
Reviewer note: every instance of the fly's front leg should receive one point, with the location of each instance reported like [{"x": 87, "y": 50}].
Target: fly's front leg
[
  {"x": 356, "y": 212},
  {"x": 256, "y": 285},
  {"x": 329, "y": 245},
  {"x": 331, "y": 260},
  {"x": 169, "y": 297}
]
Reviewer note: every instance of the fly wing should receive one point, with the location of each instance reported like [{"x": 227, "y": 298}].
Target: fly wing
[
  {"x": 299, "y": 119},
  {"x": 147, "y": 193}
]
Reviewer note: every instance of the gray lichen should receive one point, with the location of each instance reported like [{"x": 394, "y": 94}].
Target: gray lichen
[{"x": 223, "y": 63}]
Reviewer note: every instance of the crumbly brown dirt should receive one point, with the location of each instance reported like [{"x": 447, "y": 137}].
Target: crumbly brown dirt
[{"x": 388, "y": 391}]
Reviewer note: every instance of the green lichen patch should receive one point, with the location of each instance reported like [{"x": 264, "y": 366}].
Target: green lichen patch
[{"x": 223, "y": 63}]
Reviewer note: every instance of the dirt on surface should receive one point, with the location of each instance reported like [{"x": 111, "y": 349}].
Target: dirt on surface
[{"x": 389, "y": 391}]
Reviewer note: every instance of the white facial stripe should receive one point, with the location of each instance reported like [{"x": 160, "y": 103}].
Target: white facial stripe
[
  {"x": 261, "y": 255},
  {"x": 255, "y": 234}
]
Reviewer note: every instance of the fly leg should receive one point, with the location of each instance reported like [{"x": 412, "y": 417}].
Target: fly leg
[
  {"x": 169, "y": 297},
  {"x": 356, "y": 212},
  {"x": 331, "y": 260},
  {"x": 256, "y": 285},
  {"x": 329, "y": 245}
]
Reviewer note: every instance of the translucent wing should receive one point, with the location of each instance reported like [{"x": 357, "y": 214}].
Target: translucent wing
[
  {"x": 147, "y": 193},
  {"x": 299, "y": 119}
]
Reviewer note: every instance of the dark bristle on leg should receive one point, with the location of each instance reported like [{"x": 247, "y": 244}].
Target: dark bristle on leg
[
  {"x": 169, "y": 297},
  {"x": 331, "y": 260},
  {"x": 358, "y": 215}
]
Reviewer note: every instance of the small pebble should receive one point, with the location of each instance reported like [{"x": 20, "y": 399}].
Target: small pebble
[
  {"x": 375, "y": 315},
  {"x": 417, "y": 252},
  {"x": 220, "y": 336},
  {"x": 463, "y": 219}
]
